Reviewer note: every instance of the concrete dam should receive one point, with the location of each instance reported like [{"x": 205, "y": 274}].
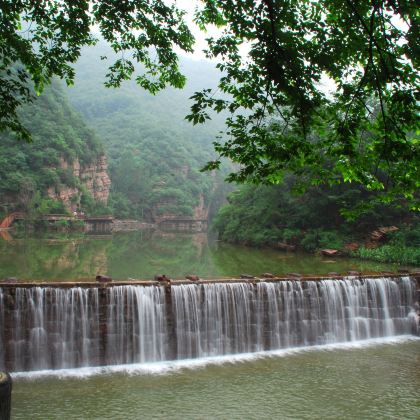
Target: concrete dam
[{"x": 62, "y": 325}]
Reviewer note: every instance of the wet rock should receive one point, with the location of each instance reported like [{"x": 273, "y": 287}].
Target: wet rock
[
  {"x": 9, "y": 302},
  {"x": 387, "y": 273},
  {"x": 354, "y": 273},
  {"x": 403, "y": 271},
  {"x": 268, "y": 275},
  {"x": 334, "y": 274},
  {"x": 294, "y": 275},
  {"x": 246, "y": 276},
  {"x": 10, "y": 280},
  {"x": 162, "y": 277},
  {"x": 329, "y": 252},
  {"x": 103, "y": 279},
  {"x": 192, "y": 277}
]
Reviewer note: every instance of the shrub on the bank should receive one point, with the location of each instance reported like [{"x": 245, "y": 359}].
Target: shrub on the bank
[
  {"x": 319, "y": 238},
  {"x": 390, "y": 253}
]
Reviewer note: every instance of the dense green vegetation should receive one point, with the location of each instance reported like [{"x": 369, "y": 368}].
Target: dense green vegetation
[
  {"x": 46, "y": 37},
  {"x": 27, "y": 170},
  {"x": 275, "y": 216},
  {"x": 282, "y": 119},
  {"x": 330, "y": 91},
  {"x": 403, "y": 247},
  {"x": 154, "y": 155}
]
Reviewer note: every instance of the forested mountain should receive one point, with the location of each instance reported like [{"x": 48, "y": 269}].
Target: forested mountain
[
  {"x": 154, "y": 154},
  {"x": 64, "y": 168}
]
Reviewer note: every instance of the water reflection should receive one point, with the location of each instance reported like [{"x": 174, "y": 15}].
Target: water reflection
[{"x": 143, "y": 254}]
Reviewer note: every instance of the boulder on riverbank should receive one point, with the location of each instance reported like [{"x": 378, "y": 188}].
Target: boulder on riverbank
[{"x": 330, "y": 252}]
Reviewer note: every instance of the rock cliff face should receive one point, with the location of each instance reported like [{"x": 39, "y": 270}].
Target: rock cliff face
[
  {"x": 94, "y": 177},
  {"x": 201, "y": 211}
]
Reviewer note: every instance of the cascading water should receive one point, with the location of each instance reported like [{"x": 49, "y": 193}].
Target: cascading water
[
  {"x": 136, "y": 325},
  {"x": 54, "y": 328},
  {"x": 51, "y": 328},
  {"x": 220, "y": 319},
  {"x": 213, "y": 319},
  {"x": 57, "y": 335}
]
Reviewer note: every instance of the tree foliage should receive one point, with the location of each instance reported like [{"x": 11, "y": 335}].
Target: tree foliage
[
  {"x": 282, "y": 119},
  {"x": 28, "y": 170},
  {"x": 46, "y": 37},
  {"x": 268, "y": 215}
]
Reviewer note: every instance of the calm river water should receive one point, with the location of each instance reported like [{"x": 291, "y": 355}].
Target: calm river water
[
  {"x": 348, "y": 381},
  {"x": 141, "y": 255}
]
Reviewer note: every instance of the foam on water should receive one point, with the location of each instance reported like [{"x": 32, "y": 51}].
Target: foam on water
[{"x": 169, "y": 367}]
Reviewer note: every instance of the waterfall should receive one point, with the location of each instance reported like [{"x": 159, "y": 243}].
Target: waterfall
[
  {"x": 57, "y": 335},
  {"x": 213, "y": 319},
  {"x": 136, "y": 325},
  {"x": 52, "y": 328},
  {"x": 228, "y": 318}
]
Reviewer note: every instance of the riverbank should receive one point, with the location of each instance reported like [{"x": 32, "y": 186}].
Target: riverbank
[
  {"x": 64, "y": 223},
  {"x": 386, "y": 245}
]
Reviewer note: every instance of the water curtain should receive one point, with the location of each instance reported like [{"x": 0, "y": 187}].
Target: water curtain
[{"x": 54, "y": 328}]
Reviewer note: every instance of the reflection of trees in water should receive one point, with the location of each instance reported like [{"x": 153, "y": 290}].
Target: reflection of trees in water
[
  {"x": 170, "y": 253},
  {"x": 53, "y": 258},
  {"x": 233, "y": 260},
  {"x": 143, "y": 254}
]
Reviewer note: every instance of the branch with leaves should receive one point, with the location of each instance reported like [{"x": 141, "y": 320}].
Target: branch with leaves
[
  {"x": 42, "y": 39},
  {"x": 365, "y": 130}
]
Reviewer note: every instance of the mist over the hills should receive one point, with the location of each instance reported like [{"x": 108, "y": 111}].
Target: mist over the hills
[{"x": 154, "y": 154}]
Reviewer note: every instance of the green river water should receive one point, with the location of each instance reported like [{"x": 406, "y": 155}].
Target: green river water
[
  {"x": 141, "y": 255},
  {"x": 380, "y": 381}
]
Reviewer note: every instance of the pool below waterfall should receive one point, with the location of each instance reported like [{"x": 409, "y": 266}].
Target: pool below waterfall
[{"x": 369, "y": 380}]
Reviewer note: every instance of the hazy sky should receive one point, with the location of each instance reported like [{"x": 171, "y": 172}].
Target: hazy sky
[{"x": 200, "y": 36}]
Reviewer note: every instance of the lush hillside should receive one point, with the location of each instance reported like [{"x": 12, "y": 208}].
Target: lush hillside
[
  {"x": 274, "y": 216},
  {"x": 154, "y": 154},
  {"x": 56, "y": 171}
]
